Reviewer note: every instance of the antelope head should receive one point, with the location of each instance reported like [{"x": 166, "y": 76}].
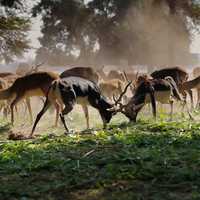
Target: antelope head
[{"x": 137, "y": 101}]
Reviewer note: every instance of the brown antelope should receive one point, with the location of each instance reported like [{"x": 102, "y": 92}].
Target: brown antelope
[
  {"x": 3, "y": 104},
  {"x": 36, "y": 84},
  {"x": 5, "y": 74},
  {"x": 71, "y": 90},
  {"x": 191, "y": 84},
  {"x": 196, "y": 72},
  {"x": 101, "y": 73},
  {"x": 162, "y": 90},
  {"x": 10, "y": 78},
  {"x": 111, "y": 87},
  {"x": 115, "y": 74},
  {"x": 178, "y": 74}
]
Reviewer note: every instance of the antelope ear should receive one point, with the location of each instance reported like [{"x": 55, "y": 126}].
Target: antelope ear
[{"x": 135, "y": 107}]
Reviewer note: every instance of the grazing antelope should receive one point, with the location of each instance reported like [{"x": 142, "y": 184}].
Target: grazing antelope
[
  {"x": 71, "y": 90},
  {"x": 162, "y": 90},
  {"x": 178, "y": 74},
  {"x": 86, "y": 73},
  {"x": 83, "y": 72},
  {"x": 36, "y": 84},
  {"x": 191, "y": 84}
]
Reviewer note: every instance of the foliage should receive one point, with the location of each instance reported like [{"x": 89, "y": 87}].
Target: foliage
[
  {"x": 147, "y": 160},
  {"x": 107, "y": 30},
  {"x": 13, "y": 32}
]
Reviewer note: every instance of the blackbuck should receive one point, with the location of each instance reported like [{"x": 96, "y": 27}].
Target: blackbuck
[
  {"x": 71, "y": 90},
  {"x": 150, "y": 91},
  {"x": 36, "y": 84},
  {"x": 178, "y": 74},
  {"x": 83, "y": 72}
]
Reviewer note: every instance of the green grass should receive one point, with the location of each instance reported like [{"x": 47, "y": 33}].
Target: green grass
[{"x": 148, "y": 160}]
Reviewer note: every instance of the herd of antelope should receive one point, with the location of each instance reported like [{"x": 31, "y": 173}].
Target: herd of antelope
[{"x": 105, "y": 92}]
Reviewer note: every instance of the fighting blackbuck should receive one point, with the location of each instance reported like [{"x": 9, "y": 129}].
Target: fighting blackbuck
[
  {"x": 150, "y": 90},
  {"x": 86, "y": 73},
  {"x": 35, "y": 84},
  {"x": 71, "y": 90}
]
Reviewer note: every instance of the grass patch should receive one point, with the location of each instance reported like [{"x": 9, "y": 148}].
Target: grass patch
[{"x": 147, "y": 160}]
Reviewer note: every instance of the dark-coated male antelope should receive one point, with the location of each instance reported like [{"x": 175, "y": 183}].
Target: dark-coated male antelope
[
  {"x": 71, "y": 90},
  {"x": 150, "y": 90}
]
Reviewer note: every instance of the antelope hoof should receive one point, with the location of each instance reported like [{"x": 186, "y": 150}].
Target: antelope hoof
[
  {"x": 191, "y": 117},
  {"x": 69, "y": 132}
]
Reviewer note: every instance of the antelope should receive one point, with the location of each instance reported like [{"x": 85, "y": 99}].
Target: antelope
[
  {"x": 101, "y": 73},
  {"x": 71, "y": 90},
  {"x": 3, "y": 104},
  {"x": 111, "y": 87},
  {"x": 86, "y": 73},
  {"x": 150, "y": 90},
  {"x": 115, "y": 74},
  {"x": 5, "y": 74},
  {"x": 196, "y": 72},
  {"x": 178, "y": 74},
  {"x": 9, "y": 78},
  {"x": 25, "y": 69},
  {"x": 191, "y": 84},
  {"x": 83, "y": 72},
  {"x": 36, "y": 84}
]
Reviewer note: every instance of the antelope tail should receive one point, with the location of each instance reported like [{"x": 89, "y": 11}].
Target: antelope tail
[{"x": 5, "y": 94}]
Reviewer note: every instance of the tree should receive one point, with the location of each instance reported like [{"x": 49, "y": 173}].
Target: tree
[
  {"x": 111, "y": 31},
  {"x": 13, "y": 31}
]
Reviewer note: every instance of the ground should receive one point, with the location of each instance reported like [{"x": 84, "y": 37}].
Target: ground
[{"x": 148, "y": 160}]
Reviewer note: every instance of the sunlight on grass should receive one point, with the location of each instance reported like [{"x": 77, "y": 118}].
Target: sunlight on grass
[{"x": 144, "y": 160}]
